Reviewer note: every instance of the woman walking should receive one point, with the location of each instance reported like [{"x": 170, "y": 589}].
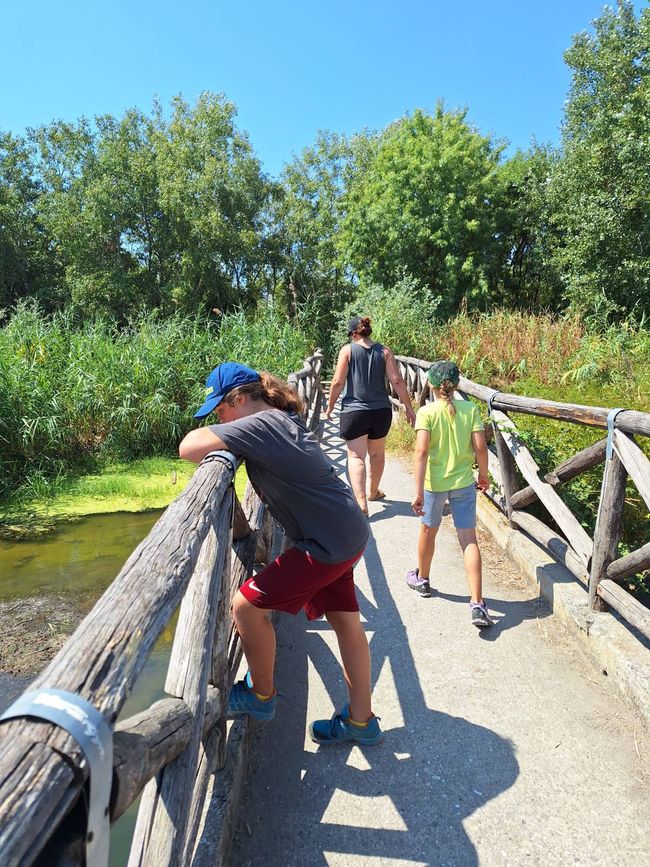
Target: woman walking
[
  {"x": 366, "y": 413},
  {"x": 259, "y": 420}
]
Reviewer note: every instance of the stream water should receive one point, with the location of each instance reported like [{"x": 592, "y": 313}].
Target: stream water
[{"x": 81, "y": 560}]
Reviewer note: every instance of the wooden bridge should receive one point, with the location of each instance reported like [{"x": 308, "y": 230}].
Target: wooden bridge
[{"x": 196, "y": 556}]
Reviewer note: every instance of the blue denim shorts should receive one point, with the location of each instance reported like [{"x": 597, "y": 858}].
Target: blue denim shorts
[{"x": 462, "y": 503}]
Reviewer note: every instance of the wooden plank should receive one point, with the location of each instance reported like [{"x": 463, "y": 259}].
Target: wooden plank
[
  {"x": 554, "y": 543},
  {"x": 608, "y": 524},
  {"x": 101, "y": 662},
  {"x": 636, "y": 561},
  {"x": 635, "y": 462},
  {"x": 560, "y": 512},
  {"x": 630, "y": 421},
  {"x": 569, "y": 469},
  {"x": 160, "y": 835},
  {"x": 508, "y": 472},
  {"x": 626, "y": 605}
]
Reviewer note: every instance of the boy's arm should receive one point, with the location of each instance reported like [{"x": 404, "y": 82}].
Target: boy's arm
[
  {"x": 420, "y": 468},
  {"x": 481, "y": 454},
  {"x": 198, "y": 443}
]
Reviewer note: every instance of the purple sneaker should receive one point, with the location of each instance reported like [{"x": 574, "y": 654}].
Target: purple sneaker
[
  {"x": 421, "y": 585},
  {"x": 480, "y": 616}
]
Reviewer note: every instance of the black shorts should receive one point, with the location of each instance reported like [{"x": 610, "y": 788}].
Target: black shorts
[{"x": 373, "y": 423}]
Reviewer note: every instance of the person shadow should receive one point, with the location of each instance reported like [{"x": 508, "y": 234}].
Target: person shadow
[{"x": 404, "y": 801}]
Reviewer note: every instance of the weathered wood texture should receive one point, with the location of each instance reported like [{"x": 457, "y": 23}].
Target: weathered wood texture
[
  {"x": 635, "y": 462},
  {"x": 627, "y": 606},
  {"x": 552, "y": 541},
  {"x": 637, "y": 561},
  {"x": 38, "y": 780},
  {"x": 562, "y": 515},
  {"x": 609, "y": 522},
  {"x": 569, "y": 469},
  {"x": 159, "y": 837}
]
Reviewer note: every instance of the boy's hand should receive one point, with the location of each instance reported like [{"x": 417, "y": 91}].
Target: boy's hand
[
  {"x": 482, "y": 483},
  {"x": 417, "y": 504}
]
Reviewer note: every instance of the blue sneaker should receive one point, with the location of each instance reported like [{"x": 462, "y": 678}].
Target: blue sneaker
[
  {"x": 339, "y": 730},
  {"x": 243, "y": 701}
]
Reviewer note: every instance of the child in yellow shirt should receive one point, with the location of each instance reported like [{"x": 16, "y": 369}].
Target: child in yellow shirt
[{"x": 450, "y": 440}]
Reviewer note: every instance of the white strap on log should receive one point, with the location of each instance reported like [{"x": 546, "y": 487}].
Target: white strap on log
[
  {"x": 611, "y": 417},
  {"x": 93, "y": 734}
]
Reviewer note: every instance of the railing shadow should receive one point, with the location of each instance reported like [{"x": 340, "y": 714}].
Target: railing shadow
[{"x": 425, "y": 779}]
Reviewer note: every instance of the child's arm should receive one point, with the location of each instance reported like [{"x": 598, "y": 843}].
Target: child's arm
[
  {"x": 198, "y": 443},
  {"x": 481, "y": 454},
  {"x": 419, "y": 469}
]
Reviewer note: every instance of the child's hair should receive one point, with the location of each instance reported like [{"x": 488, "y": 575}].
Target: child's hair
[
  {"x": 447, "y": 389},
  {"x": 271, "y": 390}
]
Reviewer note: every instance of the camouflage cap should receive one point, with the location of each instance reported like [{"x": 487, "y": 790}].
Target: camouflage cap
[{"x": 442, "y": 370}]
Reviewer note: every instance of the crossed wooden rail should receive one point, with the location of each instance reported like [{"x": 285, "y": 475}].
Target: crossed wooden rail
[
  {"x": 594, "y": 562},
  {"x": 196, "y": 556}
]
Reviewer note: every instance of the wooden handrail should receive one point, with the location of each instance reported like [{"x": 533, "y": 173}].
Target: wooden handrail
[{"x": 511, "y": 460}]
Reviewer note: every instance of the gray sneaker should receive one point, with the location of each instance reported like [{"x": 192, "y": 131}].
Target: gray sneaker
[
  {"x": 480, "y": 616},
  {"x": 421, "y": 585}
]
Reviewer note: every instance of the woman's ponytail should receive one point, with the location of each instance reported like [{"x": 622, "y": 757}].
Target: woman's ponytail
[{"x": 271, "y": 390}]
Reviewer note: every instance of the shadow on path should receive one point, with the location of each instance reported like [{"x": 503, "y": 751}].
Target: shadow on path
[{"x": 403, "y": 801}]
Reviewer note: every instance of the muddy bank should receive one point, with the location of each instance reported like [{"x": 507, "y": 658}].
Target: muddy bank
[{"x": 32, "y": 630}]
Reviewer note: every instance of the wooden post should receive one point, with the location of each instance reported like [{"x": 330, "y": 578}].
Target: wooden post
[
  {"x": 508, "y": 469},
  {"x": 608, "y": 526}
]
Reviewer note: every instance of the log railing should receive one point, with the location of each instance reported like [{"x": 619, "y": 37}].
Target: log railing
[
  {"x": 196, "y": 556},
  {"x": 517, "y": 484}
]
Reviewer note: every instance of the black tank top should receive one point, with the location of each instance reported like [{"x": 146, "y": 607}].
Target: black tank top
[{"x": 365, "y": 387}]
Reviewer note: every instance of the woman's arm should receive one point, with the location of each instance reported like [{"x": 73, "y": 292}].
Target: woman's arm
[
  {"x": 395, "y": 379},
  {"x": 338, "y": 380},
  {"x": 198, "y": 443},
  {"x": 419, "y": 469},
  {"x": 481, "y": 454}
]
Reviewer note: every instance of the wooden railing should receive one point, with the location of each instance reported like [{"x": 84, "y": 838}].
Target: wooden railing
[
  {"x": 517, "y": 484},
  {"x": 196, "y": 556}
]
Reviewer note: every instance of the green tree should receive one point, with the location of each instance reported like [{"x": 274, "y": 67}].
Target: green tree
[
  {"x": 422, "y": 203},
  {"x": 309, "y": 215},
  {"x": 28, "y": 268},
  {"x": 602, "y": 185}
]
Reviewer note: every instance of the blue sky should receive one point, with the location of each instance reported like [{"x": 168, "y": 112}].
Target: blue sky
[{"x": 292, "y": 67}]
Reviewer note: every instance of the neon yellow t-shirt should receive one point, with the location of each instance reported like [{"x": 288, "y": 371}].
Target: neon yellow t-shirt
[{"x": 451, "y": 456}]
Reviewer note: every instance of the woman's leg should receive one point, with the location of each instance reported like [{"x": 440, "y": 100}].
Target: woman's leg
[
  {"x": 258, "y": 640},
  {"x": 357, "y": 451},
  {"x": 426, "y": 548},
  {"x": 377, "y": 458},
  {"x": 473, "y": 566},
  {"x": 355, "y": 656}
]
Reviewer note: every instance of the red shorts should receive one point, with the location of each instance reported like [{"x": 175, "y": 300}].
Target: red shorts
[{"x": 296, "y": 580}]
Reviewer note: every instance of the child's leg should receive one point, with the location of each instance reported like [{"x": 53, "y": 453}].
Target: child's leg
[
  {"x": 426, "y": 548},
  {"x": 473, "y": 566},
  {"x": 355, "y": 656},
  {"x": 357, "y": 451},
  {"x": 258, "y": 640}
]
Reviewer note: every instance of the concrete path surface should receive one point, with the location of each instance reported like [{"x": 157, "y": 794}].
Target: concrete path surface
[{"x": 502, "y": 747}]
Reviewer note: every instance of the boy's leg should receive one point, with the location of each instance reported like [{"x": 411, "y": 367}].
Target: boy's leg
[
  {"x": 377, "y": 459},
  {"x": 258, "y": 640},
  {"x": 357, "y": 451},
  {"x": 473, "y": 566},
  {"x": 355, "y": 656}
]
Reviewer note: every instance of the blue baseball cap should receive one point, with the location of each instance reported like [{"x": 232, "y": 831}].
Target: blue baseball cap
[{"x": 223, "y": 379}]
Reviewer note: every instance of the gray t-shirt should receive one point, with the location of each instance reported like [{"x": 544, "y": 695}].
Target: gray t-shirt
[
  {"x": 365, "y": 386},
  {"x": 285, "y": 463}
]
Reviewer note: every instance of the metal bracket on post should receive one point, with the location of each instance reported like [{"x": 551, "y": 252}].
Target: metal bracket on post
[
  {"x": 611, "y": 417},
  {"x": 490, "y": 401},
  {"x": 93, "y": 734},
  {"x": 225, "y": 458}
]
